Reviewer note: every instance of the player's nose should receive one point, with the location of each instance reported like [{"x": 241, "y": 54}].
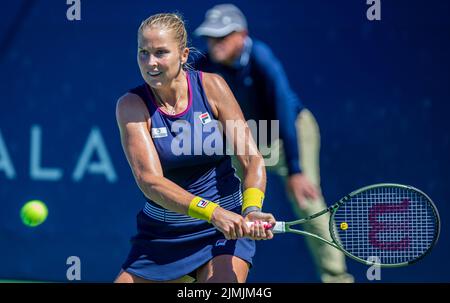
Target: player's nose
[{"x": 152, "y": 61}]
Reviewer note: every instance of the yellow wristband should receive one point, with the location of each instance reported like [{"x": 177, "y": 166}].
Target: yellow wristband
[
  {"x": 252, "y": 197},
  {"x": 201, "y": 209}
]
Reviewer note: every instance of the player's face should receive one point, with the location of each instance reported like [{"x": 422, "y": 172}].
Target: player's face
[
  {"x": 226, "y": 49},
  {"x": 159, "y": 56}
]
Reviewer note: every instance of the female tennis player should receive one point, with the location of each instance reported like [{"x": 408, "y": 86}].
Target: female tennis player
[{"x": 193, "y": 223}]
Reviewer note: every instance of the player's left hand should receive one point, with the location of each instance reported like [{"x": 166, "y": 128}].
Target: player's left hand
[{"x": 257, "y": 230}]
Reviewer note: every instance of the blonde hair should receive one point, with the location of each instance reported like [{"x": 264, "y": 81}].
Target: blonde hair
[
  {"x": 168, "y": 21},
  {"x": 175, "y": 23}
]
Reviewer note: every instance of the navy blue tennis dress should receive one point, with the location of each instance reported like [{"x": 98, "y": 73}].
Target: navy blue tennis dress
[{"x": 191, "y": 148}]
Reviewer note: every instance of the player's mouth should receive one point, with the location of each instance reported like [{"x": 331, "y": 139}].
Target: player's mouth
[{"x": 154, "y": 74}]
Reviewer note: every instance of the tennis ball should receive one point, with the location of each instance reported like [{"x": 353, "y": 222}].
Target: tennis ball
[
  {"x": 33, "y": 213},
  {"x": 344, "y": 225}
]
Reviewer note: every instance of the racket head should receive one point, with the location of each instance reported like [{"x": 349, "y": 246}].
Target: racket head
[{"x": 387, "y": 224}]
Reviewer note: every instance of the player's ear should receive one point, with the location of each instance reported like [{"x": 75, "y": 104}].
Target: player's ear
[{"x": 184, "y": 55}]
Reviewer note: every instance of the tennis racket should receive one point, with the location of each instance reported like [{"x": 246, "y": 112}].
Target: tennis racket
[{"x": 389, "y": 225}]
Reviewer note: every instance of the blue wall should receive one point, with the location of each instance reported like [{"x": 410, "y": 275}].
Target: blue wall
[{"x": 379, "y": 91}]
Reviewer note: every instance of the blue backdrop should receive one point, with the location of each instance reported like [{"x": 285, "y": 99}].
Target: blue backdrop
[{"x": 379, "y": 91}]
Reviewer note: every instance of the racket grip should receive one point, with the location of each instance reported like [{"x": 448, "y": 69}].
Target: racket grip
[{"x": 278, "y": 228}]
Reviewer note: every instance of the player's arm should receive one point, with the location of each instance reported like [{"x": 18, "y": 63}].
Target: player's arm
[
  {"x": 134, "y": 123},
  {"x": 228, "y": 112}
]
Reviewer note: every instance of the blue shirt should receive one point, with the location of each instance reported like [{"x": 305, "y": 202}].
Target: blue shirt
[{"x": 261, "y": 87}]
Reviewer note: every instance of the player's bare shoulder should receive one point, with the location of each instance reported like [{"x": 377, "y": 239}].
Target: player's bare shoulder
[
  {"x": 214, "y": 83},
  {"x": 131, "y": 108},
  {"x": 217, "y": 90}
]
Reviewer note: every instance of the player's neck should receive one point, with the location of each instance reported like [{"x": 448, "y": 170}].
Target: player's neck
[{"x": 176, "y": 90}]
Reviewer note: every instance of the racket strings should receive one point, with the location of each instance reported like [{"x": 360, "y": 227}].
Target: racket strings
[{"x": 387, "y": 225}]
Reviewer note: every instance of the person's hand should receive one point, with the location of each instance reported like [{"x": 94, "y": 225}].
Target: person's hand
[
  {"x": 302, "y": 189},
  {"x": 232, "y": 225},
  {"x": 257, "y": 230}
]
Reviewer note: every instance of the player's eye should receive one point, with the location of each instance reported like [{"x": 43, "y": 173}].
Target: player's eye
[{"x": 161, "y": 52}]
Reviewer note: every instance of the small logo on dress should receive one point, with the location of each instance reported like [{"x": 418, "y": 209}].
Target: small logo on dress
[
  {"x": 205, "y": 118},
  {"x": 202, "y": 203},
  {"x": 221, "y": 242},
  {"x": 159, "y": 132}
]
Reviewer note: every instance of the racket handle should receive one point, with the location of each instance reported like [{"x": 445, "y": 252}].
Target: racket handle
[{"x": 278, "y": 228}]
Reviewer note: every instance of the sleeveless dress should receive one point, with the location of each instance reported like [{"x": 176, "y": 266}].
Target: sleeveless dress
[{"x": 192, "y": 151}]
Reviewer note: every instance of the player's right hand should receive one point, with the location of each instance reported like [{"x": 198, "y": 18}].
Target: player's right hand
[
  {"x": 257, "y": 230},
  {"x": 232, "y": 225}
]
